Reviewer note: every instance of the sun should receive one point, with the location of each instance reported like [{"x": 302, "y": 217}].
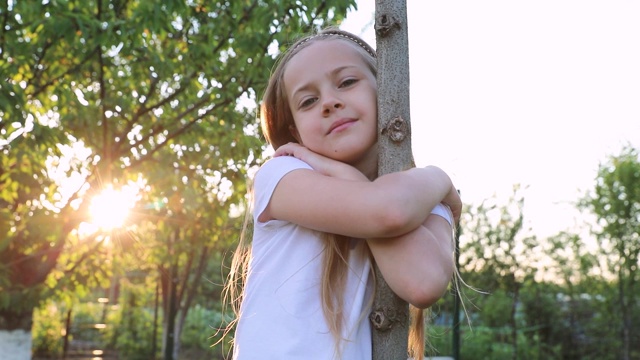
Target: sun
[{"x": 110, "y": 208}]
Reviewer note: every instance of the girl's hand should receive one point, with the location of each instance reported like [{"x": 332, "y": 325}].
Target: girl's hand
[
  {"x": 448, "y": 193},
  {"x": 454, "y": 202},
  {"x": 320, "y": 163}
]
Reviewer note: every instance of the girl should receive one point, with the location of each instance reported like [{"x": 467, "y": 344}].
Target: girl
[{"x": 321, "y": 217}]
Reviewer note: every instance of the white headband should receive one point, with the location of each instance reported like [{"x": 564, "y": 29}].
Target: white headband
[{"x": 363, "y": 45}]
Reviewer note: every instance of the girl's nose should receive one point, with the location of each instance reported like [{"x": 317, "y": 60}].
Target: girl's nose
[{"x": 330, "y": 104}]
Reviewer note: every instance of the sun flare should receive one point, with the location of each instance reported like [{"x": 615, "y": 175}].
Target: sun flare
[{"x": 110, "y": 209}]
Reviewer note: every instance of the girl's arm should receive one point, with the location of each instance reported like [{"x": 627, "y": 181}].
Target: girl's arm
[
  {"x": 413, "y": 249},
  {"x": 419, "y": 265},
  {"x": 390, "y": 206},
  {"x": 337, "y": 198}
]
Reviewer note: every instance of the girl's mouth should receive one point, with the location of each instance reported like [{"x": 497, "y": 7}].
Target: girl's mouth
[{"x": 340, "y": 125}]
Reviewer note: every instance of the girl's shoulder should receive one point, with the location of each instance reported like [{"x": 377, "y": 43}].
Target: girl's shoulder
[
  {"x": 279, "y": 166},
  {"x": 269, "y": 176}
]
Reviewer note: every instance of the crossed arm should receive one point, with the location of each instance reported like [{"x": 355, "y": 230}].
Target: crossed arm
[{"x": 412, "y": 248}]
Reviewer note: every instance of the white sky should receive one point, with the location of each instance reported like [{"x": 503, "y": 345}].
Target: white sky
[{"x": 536, "y": 93}]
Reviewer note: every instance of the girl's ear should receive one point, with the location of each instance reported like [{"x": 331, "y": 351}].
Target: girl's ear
[{"x": 294, "y": 132}]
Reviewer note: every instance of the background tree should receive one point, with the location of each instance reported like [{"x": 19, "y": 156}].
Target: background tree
[
  {"x": 569, "y": 269},
  {"x": 499, "y": 255},
  {"x": 615, "y": 201},
  {"x": 132, "y": 86},
  {"x": 24, "y": 180}
]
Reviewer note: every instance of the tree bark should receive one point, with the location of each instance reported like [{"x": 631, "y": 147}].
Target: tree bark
[
  {"x": 514, "y": 322},
  {"x": 186, "y": 295},
  {"x": 170, "y": 314},
  {"x": 390, "y": 315}
]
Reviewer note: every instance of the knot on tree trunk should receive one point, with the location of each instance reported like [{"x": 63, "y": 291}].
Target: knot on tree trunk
[
  {"x": 385, "y": 23},
  {"x": 396, "y": 129},
  {"x": 384, "y": 318}
]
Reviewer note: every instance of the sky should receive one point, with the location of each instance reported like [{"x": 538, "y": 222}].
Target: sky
[{"x": 536, "y": 93}]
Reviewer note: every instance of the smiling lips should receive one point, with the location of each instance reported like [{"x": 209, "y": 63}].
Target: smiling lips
[{"x": 340, "y": 125}]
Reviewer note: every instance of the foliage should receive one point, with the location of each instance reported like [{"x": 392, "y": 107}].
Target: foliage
[
  {"x": 202, "y": 331},
  {"x": 615, "y": 202},
  {"x": 495, "y": 242},
  {"x": 500, "y": 255},
  {"x": 567, "y": 306},
  {"x": 157, "y": 95},
  {"x": 550, "y": 327},
  {"x": 482, "y": 342},
  {"x": 130, "y": 326},
  {"x": 495, "y": 310},
  {"x": 85, "y": 316},
  {"x": 28, "y": 229},
  {"x": 48, "y": 327}
]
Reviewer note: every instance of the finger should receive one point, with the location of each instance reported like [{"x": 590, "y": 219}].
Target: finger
[{"x": 284, "y": 150}]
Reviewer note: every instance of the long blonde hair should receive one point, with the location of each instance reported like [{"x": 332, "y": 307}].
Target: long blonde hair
[{"x": 277, "y": 120}]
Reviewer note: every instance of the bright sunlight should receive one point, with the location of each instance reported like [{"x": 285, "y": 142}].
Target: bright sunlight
[{"x": 111, "y": 207}]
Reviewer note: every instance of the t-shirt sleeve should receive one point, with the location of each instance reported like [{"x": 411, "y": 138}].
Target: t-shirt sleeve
[{"x": 268, "y": 177}]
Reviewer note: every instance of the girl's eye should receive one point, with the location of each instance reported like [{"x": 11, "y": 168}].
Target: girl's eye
[
  {"x": 307, "y": 102},
  {"x": 348, "y": 82}
]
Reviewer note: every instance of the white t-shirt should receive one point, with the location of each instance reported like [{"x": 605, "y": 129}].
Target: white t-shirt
[{"x": 281, "y": 314}]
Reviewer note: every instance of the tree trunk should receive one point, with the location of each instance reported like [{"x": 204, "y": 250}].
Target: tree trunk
[
  {"x": 154, "y": 338},
  {"x": 177, "y": 332},
  {"x": 626, "y": 318},
  {"x": 390, "y": 315},
  {"x": 170, "y": 314},
  {"x": 186, "y": 295},
  {"x": 514, "y": 322}
]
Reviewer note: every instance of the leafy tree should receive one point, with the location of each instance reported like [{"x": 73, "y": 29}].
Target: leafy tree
[
  {"x": 496, "y": 254},
  {"x": 27, "y": 240},
  {"x": 557, "y": 309},
  {"x": 158, "y": 94},
  {"x": 540, "y": 312},
  {"x": 615, "y": 201}
]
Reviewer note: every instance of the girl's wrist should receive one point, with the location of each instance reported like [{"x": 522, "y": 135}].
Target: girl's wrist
[{"x": 443, "y": 211}]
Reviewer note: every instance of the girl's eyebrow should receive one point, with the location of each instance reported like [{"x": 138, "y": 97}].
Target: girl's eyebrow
[{"x": 307, "y": 86}]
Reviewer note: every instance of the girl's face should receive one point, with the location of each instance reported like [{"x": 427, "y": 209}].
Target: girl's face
[{"x": 333, "y": 99}]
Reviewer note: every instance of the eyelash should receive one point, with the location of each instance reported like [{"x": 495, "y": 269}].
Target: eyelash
[
  {"x": 307, "y": 102},
  {"x": 348, "y": 82}
]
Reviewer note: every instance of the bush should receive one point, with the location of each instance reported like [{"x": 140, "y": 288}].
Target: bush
[
  {"x": 480, "y": 342},
  {"x": 201, "y": 331},
  {"x": 48, "y": 330},
  {"x": 130, "y": 329},
  {"x": 85, "y": 317}
]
